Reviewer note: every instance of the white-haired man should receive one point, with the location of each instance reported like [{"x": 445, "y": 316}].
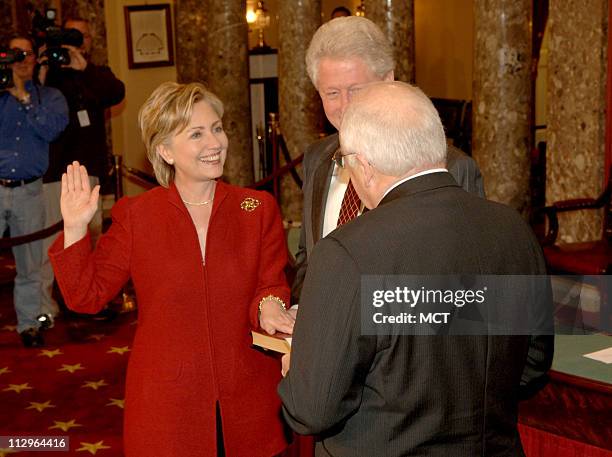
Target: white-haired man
[
  {"x": 395, "y": 395},
  {"x": 344, "y": 55}
]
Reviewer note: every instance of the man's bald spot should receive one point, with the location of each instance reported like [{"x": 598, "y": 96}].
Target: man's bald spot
[
  {"x": 392, "y": 99},
  {"x": 399, "y": 117}
]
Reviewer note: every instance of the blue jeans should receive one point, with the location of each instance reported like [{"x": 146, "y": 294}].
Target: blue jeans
[{"x": 21, "y": 208}]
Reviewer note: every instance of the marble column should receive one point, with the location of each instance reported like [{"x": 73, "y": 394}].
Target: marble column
[
  {"x": 396, "y": 20},
  {"x": 190, "y": 32},
  {"x": 92, "y": 11},
  {"x": 502, "y": 99},
  {"x": 576, "y": 110},
  {"x": 226, "y": 57},
  {"x": 301, "y": 114}
]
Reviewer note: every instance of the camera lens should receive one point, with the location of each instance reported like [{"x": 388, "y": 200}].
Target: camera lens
[
  {"x": 58, "y": 56},
  {"x": 20, "y": 56},
  {"x": 6, "y": 78}
]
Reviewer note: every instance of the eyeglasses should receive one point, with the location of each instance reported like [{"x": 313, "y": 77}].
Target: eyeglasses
[{"x": 338, "y": 157}]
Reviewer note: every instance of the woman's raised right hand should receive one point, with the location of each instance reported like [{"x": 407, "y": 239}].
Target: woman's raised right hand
[{"x": 78, "y": 202}]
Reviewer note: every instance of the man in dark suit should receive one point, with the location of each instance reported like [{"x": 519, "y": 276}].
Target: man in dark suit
[
  {"x": 345, "y": 54},
  {"x": 398, "y": 395}
]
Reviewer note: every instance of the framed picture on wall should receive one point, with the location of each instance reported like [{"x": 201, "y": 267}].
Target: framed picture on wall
[{"x": 149, "y": 36}]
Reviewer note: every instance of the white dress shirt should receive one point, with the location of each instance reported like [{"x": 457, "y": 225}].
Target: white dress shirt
[{"x": 337, "y": 189}]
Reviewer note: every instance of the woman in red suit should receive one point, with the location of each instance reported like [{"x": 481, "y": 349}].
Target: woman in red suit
[{"x": 206, "y": 260}]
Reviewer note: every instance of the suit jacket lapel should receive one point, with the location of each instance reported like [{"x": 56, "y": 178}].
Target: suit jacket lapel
[{"x": 321, "y": 180}]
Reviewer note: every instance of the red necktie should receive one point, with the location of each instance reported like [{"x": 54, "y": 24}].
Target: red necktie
[{"x": 351, "y": 204}]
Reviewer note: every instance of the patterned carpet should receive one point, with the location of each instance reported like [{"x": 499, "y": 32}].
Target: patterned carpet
[{"x": 72, "y": 388}]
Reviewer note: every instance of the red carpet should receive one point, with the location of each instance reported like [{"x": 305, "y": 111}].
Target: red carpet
[{"x": 73, "y": 387}]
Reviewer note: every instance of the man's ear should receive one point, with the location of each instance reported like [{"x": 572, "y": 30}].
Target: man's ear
[
  {"x": 165, "y": 153},
  {"x": 366, "y": 169}
]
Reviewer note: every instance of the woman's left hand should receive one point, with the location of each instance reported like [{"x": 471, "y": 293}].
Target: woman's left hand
[{"x": 274, "y": 318}]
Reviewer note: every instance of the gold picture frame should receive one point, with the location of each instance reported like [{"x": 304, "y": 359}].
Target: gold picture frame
[{"x": 149, "y": 36}]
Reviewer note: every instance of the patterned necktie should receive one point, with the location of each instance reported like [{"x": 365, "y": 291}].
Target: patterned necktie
[{"x": 351, "y": 204}]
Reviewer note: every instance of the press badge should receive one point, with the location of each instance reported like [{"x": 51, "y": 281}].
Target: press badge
[{"x": 83, "y": 118}]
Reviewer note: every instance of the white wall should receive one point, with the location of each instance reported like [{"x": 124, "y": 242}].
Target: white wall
[{"x": 444, "y": 50}]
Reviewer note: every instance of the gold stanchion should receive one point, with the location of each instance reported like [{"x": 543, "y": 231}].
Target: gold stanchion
[
  {"x": 129, "y": 303},
  {"x": 273, "y": 131}
]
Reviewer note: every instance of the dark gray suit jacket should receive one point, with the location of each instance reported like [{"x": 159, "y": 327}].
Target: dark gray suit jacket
[
  {"x": 412, "y": 395},
  {"x": 318, "y": 169}
]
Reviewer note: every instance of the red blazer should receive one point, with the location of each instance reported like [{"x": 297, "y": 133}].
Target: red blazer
[{"x": 192, "y": 347}]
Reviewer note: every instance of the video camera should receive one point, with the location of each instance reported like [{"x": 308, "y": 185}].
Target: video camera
[
  {"x": 45, "y": 32},
  {"x": 7, "y": 57}
]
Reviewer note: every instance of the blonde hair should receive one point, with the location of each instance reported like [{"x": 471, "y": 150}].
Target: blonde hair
[
  {"x": 166, "y": 113},
  {"x": 347, "y": 37}
]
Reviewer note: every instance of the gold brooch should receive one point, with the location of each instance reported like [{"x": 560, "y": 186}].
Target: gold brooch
[{"x": 249, "y": 204}]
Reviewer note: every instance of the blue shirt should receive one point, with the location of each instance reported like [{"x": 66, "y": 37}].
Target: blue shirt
[{"x": 27, "y": 129}]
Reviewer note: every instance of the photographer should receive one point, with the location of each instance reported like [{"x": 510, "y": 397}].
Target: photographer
[
  {"x": 89, "y": 89},
  {"x": 31, "y": 117}
]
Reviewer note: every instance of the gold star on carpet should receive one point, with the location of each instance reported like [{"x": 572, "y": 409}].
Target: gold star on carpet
[
  {"x": 95, "y": 384},
  {"x": 116, "y": 350},
  {"x": 9, "y": 328},
  {"x": 71, "y": 368},
  {"x": 17, "y": 387},
  {"x": 4, "y": 370},
  {"x": 93, "y": 447},
  {"x": 96, "y": 336},
  {"x": 49, "y": 353},
  {"x": 116, "y": 402},
  {"x": 40, "y": 407},
  {"x": 6, "y": 451},
  {"x": 65, "y": 426}
]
